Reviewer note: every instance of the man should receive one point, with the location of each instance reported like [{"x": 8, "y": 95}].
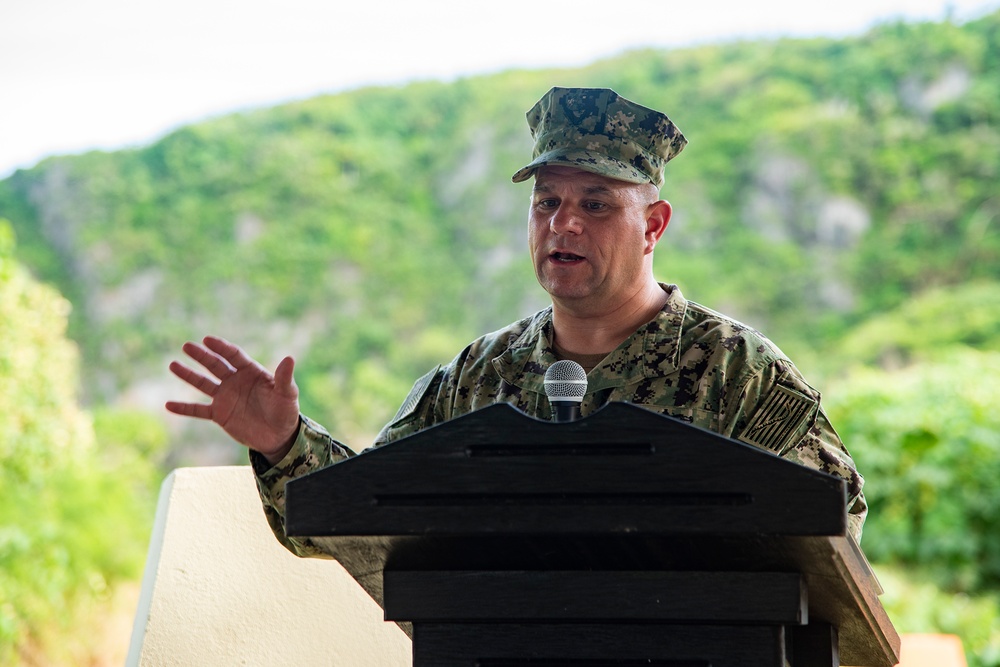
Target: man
[{"x": 594, "y": 220}]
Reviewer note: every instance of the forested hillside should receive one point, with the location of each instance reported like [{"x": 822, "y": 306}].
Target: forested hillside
[
  {"x": 843, "y": 196},
  {"x": 373, "y": 232}
]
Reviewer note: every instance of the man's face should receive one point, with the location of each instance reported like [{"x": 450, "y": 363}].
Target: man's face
[{"x": 589, "y": 237}]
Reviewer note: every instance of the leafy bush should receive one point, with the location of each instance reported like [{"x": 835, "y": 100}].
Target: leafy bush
[
  {"x": 75, "y": 510},
  {"x": 918, "y": 606},
  {"x": 927, "y": 439},
  {"x": 926, "y": 324}
]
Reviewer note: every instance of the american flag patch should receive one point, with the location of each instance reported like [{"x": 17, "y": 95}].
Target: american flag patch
[
  {"x": 416, "y": 393},
  {"x": 777, "y": 419}
]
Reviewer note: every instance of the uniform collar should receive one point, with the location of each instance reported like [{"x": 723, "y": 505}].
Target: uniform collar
[{"x": 652, "y": 351}]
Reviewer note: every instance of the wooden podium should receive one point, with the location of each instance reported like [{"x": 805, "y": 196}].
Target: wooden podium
[{"x": 624, "y": 539}]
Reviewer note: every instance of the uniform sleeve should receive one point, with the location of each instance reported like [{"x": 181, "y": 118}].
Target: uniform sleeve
[
  {"x": 778, "y": 411},
  {"x": 312, "y": 450}
]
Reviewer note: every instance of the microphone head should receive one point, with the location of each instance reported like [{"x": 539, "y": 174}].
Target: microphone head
[{"x": 565, "y": 380}]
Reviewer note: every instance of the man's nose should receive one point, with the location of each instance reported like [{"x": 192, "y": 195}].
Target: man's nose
[{"x": 565, "y": 221}]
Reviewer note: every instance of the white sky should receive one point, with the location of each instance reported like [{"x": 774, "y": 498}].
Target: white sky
[{"x": 83, "y": 74}]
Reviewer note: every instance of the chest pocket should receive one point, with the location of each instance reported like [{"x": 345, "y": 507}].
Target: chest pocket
[{"x": 701, "y": 418}]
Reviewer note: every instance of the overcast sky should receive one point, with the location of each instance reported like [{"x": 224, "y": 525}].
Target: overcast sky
[{"x": 77, "y": 75}]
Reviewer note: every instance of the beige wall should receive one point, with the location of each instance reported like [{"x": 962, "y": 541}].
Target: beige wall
[{"x": 219, "y": 590}]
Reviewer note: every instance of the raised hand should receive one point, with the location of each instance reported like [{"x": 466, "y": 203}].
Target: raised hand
[{"x": 254, "y": 407}]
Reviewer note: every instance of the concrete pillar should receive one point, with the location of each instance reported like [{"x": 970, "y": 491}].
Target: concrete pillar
[{"x": 219, "y": 590}]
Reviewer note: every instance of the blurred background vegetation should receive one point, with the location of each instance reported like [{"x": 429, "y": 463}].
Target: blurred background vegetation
[{"x": 840, "y": 195}]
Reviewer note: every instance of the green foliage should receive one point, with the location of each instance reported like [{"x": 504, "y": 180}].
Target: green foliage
[
  {"x": 916, "y": 605},
  {"x": 393, "y": 206},
  {"x": 927, "y": 438},
  {"x": 921, "y": 422},
  {"x": 74, "y": 515},
  {"x": 929, "y": 322}
]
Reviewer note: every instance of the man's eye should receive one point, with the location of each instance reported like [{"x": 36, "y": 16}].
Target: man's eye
[
  {"x": 547, "y": 203},
  {"x": 595, "y": 206}
]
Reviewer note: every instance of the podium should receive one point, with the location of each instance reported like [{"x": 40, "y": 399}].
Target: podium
[{"x": 623, "y": 539}]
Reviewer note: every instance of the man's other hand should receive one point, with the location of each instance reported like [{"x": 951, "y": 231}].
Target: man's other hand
[{"x": 254, "y": 407}]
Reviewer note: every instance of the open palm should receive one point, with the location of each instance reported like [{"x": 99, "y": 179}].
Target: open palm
[{"x": 254, "y": 407}]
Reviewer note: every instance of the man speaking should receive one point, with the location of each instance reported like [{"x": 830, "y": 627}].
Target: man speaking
[{"x": 594, "y": 220}]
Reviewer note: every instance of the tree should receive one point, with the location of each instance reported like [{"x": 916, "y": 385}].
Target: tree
[
  {"x": 927, "y": 439},
  {"x": 60, "y": 494}
]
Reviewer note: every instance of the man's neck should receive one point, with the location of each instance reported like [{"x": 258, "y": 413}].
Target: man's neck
[{"x": 588, "y": 332}]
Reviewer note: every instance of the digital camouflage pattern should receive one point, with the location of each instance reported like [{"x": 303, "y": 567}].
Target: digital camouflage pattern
[
  {"x": 689, "y": 362},
  {"x": 597, "y": 130}
]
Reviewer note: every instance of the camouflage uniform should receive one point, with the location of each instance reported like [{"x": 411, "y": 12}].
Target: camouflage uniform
[{"x": 689, "y": 362}]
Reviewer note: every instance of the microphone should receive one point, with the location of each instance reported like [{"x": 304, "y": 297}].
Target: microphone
[{"x": 565, "y": 385}]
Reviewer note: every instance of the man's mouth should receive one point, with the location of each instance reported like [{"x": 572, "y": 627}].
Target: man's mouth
[{"x": 565, "y": 257}]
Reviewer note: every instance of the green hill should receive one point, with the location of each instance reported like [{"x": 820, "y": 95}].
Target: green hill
[{"x": 372, "y": 233}]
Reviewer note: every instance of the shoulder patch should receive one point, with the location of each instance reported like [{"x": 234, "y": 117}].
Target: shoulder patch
[
  {"x": 777, "y": 419},
  {"x": 416, "y": 393}
]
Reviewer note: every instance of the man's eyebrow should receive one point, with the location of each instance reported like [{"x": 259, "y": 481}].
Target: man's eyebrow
[{"x": 589, "y": 190}]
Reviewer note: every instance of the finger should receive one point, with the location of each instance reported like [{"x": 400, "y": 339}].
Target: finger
[
  {"x": 233, "y": 354},
  {"x": 210, "y": 360},
  {"x": 196, "y": 410},
  {"x": 284, "y": 379},
  {"x": 203, "y": 384}
]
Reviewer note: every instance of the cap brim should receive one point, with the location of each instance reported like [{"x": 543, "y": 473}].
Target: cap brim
[{"x": 592, "y": 161}]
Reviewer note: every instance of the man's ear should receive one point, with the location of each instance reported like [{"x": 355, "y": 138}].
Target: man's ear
[{"x": 657, "y": 218}]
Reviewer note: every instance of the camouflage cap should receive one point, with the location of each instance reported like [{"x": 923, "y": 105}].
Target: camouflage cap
[{"x": 597, "y": 130}]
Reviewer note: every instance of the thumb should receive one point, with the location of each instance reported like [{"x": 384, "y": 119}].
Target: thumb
[{"x": 284, "y": 382}]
